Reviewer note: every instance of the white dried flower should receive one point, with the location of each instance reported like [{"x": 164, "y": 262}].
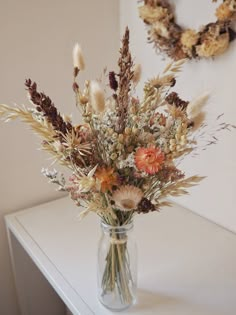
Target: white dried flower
[
  {"x": 127, "y": 197},
  {"x": 58, "y": 146},
  {"x": 97, "y": 97},
  {"x": 86, "y": 183},
  {"x": 194, "y": 107},
  {"x": 78, "y": 59},
  {"x": 50, "y": 174},
  {"x": 137, "y": 74}
]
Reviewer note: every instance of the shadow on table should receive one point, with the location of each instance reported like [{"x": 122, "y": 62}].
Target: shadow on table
[{"x": 148, "y": 300}]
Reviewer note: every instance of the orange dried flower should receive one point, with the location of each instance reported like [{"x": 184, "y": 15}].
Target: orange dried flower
[
  {"x": 149, "y": 159},
  {"x": 107, "y": 178}
]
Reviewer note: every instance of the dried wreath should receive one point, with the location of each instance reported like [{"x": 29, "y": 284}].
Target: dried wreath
[{"x": 178, "y": 43}]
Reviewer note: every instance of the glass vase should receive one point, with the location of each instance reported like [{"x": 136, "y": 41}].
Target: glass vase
[{"x": 117, "y": 267}]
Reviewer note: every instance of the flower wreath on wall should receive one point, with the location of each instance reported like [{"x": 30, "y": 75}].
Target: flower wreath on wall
[{"x": 211, "y": 40}]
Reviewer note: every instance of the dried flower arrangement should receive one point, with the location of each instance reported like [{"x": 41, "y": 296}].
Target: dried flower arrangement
[
  {"x": 123, "y": 157},
  {"x": 178, "y": 43}
]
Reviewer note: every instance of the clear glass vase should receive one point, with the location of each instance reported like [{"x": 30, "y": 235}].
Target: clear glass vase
[{"x": 117, "y": 267}]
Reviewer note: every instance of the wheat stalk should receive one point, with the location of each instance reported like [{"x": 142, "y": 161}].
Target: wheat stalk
[
  {"x": 42, "y": 128},
  {"x": 179, "y": 188}
]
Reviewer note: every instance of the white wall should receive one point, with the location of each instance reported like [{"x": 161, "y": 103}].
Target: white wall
[
  {"x": 37, "y": 38},
  {"x": 215, "y": 197}
]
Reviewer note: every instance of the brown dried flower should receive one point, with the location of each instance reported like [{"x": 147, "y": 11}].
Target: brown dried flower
[
  {"x": 145, "y": 206},
  {"x": 112, "y": 80},
  {"x": 174, "y": 99}
]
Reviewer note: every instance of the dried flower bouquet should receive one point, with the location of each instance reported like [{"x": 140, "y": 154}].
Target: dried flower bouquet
[{"x": 123, "y": 157}]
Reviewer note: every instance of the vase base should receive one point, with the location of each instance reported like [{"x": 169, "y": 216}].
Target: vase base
[{"x": 116, "y": 307}]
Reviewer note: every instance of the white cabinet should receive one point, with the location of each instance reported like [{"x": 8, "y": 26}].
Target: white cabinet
[{"x": 187, "y": 265}]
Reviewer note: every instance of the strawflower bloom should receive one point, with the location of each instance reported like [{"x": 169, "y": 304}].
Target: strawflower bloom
[
  {"x": 149, "y": 159},
  {"x": 127, "y": 197}
]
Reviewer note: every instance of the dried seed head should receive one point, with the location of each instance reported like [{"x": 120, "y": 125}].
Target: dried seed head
[{"x": 78, "y": 59}]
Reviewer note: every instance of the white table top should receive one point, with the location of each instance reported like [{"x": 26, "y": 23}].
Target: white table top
[{"x": 187, "y": 265}]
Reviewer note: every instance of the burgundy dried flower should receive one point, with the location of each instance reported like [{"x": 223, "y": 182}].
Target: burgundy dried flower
[
  {"x": 112, "y": 80},
  {"x": 174, "y": 99},
  {"x": 145, "y": 206}
]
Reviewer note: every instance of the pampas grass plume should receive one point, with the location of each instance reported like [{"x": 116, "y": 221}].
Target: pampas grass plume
[
  {"x": 137, "y": 74},
  {"x": 195, "y": 106},
  {"x": 78, "y": 59}
]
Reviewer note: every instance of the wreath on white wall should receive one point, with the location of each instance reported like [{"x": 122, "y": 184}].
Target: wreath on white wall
[{"x": 169, "y": 37}]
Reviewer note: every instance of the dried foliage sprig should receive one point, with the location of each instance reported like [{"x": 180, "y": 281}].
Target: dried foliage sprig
[{"x": 178, "y": 43}]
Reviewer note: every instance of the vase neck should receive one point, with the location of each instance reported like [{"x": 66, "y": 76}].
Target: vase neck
[{"x": 108, "y": 229}]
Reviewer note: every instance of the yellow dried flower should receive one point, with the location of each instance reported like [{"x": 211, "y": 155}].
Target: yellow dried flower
[
  {"x": 161, "y": 29},
  {"x": 172, "y": 147},
  {"x": 119, "y": 147},
  {"x": 135, "y": 130},
  {"x": 83, "y": 99},
  {"x": 213, "y": 46},
  {"x": 172, "y": 141},
  {"x": 150, "y": 14},
  {"x": 223, "y": 12},
  {"x": 127, "y": 131},
  {"x": 113, "y": 156},
  {"x": 121, "y": 137},
  {"x": 189, "y": 38},
  {"x": 109, "y": 131}
]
